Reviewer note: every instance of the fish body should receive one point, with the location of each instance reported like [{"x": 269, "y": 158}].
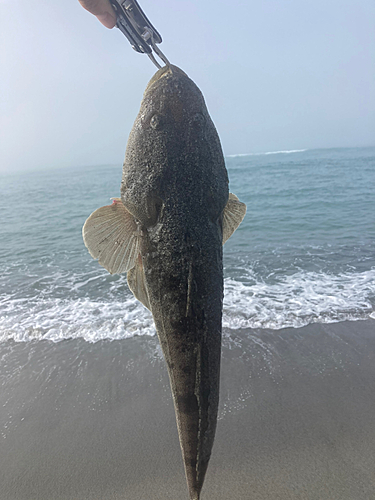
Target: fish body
[{"x": 167, "y": 232}]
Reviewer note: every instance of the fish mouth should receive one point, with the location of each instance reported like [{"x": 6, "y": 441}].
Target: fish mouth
[{"x": 165, "y": 71}]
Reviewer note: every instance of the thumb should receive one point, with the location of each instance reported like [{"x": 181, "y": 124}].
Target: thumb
[{"x": 102, "y": 9}]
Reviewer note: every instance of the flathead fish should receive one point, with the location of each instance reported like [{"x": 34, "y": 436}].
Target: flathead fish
[{"x": 167, "y": 231}]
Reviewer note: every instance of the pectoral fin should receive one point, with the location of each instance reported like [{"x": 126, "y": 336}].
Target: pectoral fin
[
  {"x": 136, "y": 282},
  {"x": 234, "y": 212},
  {"x": 111, "y": 235}
]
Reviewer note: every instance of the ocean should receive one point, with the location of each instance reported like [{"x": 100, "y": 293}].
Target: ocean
[
  {"x": 86, "y": 407},
  {"x": 305, "y": 252}
]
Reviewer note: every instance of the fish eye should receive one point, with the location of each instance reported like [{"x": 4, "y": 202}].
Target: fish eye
[
  {"x": 198, "y": 120},
  {"x": 155, "y": 121}
]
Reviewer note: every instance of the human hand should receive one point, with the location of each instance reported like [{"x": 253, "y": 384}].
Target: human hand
[{"x": 102, "y": 9}]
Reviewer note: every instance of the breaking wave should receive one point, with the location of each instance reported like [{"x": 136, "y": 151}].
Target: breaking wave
[
  {"x": 299, "y": 299},
  {"x": 58, "y": 319},
  {"x": 292, "y": 301},
  {"x": 268, "y": 153}
]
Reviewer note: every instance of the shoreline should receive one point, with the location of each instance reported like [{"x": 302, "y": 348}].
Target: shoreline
[{"x": 96, "y": 421}]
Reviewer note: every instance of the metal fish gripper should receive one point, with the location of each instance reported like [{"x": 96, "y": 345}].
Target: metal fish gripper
[{"x": 133, "y": 23}]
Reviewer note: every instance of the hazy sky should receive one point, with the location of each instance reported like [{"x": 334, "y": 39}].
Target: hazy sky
[{"x": 276, "y": 75}]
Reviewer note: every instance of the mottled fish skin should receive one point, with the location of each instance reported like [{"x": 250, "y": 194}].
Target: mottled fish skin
[
  {"x": 175, "y": 184},
  {"x": 167, "y": 232}
]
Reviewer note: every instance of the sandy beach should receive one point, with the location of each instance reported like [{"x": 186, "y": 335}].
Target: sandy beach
[{"x": 96, "y": 421}]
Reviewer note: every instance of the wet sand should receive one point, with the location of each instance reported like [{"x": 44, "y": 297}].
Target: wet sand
[{"x": 84, "y": 421}]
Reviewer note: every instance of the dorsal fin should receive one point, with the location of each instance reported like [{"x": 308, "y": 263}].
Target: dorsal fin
[
  {"x": 234, "y": 212},
  {"x": 111, "y": 234}
]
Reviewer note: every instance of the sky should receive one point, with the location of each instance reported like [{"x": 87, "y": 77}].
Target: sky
[{"x": 276, "y": 75}]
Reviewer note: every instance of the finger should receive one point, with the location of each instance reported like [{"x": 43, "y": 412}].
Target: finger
[{"x": 102, "y": 9}]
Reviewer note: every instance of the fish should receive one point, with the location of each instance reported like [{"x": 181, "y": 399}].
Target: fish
[{"x": 167, "y": 232}]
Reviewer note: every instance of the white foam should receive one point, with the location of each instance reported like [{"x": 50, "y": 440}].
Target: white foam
[
  {"x": 299, "y": 299},
  {"x": 267, "y": 153},
  {"x": 59, "y": 319},
  {"x": 291, "y": 301}
]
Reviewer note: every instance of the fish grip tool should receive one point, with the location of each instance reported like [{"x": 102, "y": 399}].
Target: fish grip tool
[{"x": 133, "y": 23}]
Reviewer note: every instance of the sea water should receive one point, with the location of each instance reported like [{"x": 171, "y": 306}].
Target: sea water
[{"x": 305, "y": 252}]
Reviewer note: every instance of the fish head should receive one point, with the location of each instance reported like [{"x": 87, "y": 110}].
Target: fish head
[
  {"x": 172, "y": 104},
  {"x": 173, "y": 138}
]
